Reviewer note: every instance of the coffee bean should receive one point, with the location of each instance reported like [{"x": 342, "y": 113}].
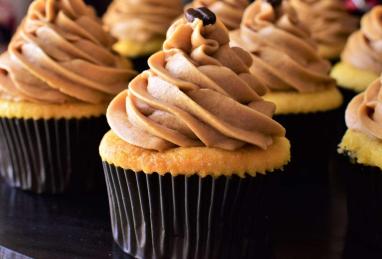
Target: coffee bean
[
  {"x": 201, "y": 13},
  {"x": 275, "y": 3}
]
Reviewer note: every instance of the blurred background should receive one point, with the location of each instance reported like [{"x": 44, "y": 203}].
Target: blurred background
[{"x": 12, "y": 11}]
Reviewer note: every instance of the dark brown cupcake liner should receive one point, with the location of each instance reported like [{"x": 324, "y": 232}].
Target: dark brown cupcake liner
[
  {"x": 364, "y": 201},
  {"x": 51, "y": 156},
  {"x": 348, "y": 95},
  {"x": 156, "y": 216},
  {"x": 313, "y": 139},
  {"x": 140, "y": 63}
]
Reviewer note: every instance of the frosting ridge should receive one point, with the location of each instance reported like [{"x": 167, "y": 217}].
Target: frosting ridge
[
  {"x": 364, "y": 112},
  {"x": 141, "y": 20},
  {"x": 284, "y": 55},
  {"x": 364, "y": 49},
  {"x": 59, "y": 54},
  {"x": 198, "y": 92}
]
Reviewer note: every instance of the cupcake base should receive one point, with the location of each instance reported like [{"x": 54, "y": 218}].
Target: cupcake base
[
  {"x": 353, "y": 78},
  {"x": 53, "y": 155},
  {"x": 166, "y": 216},
  {"x": 364, "y": 201}
]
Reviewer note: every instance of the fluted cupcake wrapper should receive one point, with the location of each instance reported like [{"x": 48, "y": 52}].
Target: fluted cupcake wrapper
[
  {"x": 364, "y": 201},
  {"x": 140, "y": 63},
  {"x": 156, "y": 216},
  {"x": 51, "y": 156},
  {"x": 348, "y": 95},
  {"x": 314, "y": 138}
]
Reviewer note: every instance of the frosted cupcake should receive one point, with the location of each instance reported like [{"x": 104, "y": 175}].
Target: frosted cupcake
[
  {"x": 192, "y": 151},
  {"x": 361, "y": 60},
  {"x": 56, "y": 80},
  {"x": 285, "y": 60},
  {"x": 140, "y": 26},
  {"x": 229, "y": 12},
  {"x": 329, "y": 23},
  {"x": 361, "y": 166}
]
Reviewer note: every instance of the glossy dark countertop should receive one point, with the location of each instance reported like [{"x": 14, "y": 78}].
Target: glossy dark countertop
[{"x": 310, "y": 224}]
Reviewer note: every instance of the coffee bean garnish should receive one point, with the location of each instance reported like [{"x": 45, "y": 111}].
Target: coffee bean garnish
[
  {"x": 275, "y": 3},
  {"x": 202, "y": 13}
]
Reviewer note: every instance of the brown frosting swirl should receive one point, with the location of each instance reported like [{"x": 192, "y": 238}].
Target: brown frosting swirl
[
  {"x": 364, "y": 112},
  {"x": 285, "y": 56},
  {"x": 364, "y": 49},
  {"x": 329, "y": 22},
  {"x": 60, "y": 54},
  {"x": 230, "y": 12},
  {"x": 198, "y": 92},
  {"x": 141, "y": 20}
]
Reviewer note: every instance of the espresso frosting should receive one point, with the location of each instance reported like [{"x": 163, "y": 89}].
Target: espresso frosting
[
  {"x": 141, "y": 20},
  {"x": 61, "y": 54},
  {"x": 230, "y": 12},
  {"x": 329, "y": 22},
  {"x": 364, "y": 48},
  {"x": 197, "y": 92},
  {"x": 285, "y": 57},
  {"x": 364, "y": 112}
]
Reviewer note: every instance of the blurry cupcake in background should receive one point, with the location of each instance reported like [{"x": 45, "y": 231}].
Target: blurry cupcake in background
[
  {"x": 7, "y": 24},
  {"x": 56, "y": 80},
  {"x": 140, "y": 26},
  {"x": 361, "y": 60},
  {"x": 229, "y": 12},
  {"x": 360, "y": 6},
  {"x": 329, "y": 22},
  {"x": 286, "y": 61},
  {"x": 193, "y": 151},
  {"x": 361, "y": 165}
]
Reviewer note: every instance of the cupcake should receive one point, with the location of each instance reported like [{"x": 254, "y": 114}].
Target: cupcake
[
  {"x": 229, "y": 12},
  {"x": 193, "y": 152},
  {"x": 329, "y": 22},
  {"x": 140, "y": 26},
  {"x": 56, "y": 80},
  {"x": 361, "y": 60},
  {"x": 361, "y": 165},
  {"x": 285, "y": 60}
]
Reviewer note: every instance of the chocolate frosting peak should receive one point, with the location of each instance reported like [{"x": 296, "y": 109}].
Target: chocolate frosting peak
[
  {"x": 364, "y": 49},
  {"x": 141, "y": 20},
  {"x": 230, "y": 12},
  {"x": 285, "y": 56},
  {"x": 198, "y": 92},
  {"x": 60, "y": 54},
  {"x": 364, "y": 112}
]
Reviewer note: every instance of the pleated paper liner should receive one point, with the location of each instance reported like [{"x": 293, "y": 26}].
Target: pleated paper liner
[
  {"x": 140, "y": 63},
  {"x": 156, "y": 216},
  {"x": 314, "y": 139},
  {"x": 348, "y": 95},
  {"x": 364, "y": 201},
  {"x": 51, "y": 156}
]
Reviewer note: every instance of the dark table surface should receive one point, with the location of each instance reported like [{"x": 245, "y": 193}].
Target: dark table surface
[{"x": 311, "y": 224}]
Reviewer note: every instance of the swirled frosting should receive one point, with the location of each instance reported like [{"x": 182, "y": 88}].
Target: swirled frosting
[
  {"x": 198, "y": 92},
  {"x": 284, "y": 55},
  {"x": 364, "y": 47},
  {"x": 230, "y": 12},
  {"x": 329, "y": 22},
  {"x": 60, "y": 54},
  {"x": 364, "y": 112},
  {"x": 141, "y": 20}
]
